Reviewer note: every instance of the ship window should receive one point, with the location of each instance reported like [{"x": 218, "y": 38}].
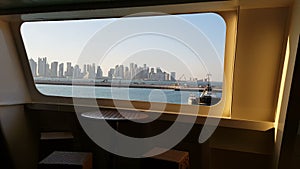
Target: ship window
[{"x": 158, "y": 58}]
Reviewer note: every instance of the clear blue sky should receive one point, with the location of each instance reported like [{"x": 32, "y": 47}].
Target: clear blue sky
[{"x": 81, "y": 42}]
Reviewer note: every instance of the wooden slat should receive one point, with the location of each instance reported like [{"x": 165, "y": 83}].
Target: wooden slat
[{"x": 56, "y": 135}]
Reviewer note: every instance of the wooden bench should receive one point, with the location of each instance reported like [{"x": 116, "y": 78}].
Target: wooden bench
[
  {"x": 67, "y": 160},
  {"x": 171, "y": 159}
]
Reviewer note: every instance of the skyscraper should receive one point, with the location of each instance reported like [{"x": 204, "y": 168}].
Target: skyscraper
[
  {"x": 61, "y": 70},
  {"x": 47, "y": 73},
  {"x": 77, "y": 72},
  {"x": 126, "y": 73},
  {"x": 69, "y": 72},
  {"x": 116, "y": 72},
  {"x": 173, "y": 76},
  {"x": 159, "y": 74},
  {"x": 131, "y": 71},
  {"x": 54, "y": 69},
  {"x": 111, "y": 73},
  {"x": 152, "y": 74},
  {"x": 42, "y": 62},
  {"x": 99, "y": 73},
  {"x": 84, "y": 70},
  {"x": 121, "y": 71},
  {"x": 145, "y": 73},
  {"x": 166, "y": 76},
  {"x": 33, "y": 66},
  {"x": 91, "y": 69}
]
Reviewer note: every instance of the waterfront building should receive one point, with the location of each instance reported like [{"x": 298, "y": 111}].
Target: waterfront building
[
  {"x": 173, "y": 76},
  {"x": 54, "y": 69},
  {"x": 42, "y": 66},
  {"x": 61, "y": 70},
  {"x": 69, "y": 72},
  {"x": 99, "y": 73},
  {"x": 33, "y": 67}
]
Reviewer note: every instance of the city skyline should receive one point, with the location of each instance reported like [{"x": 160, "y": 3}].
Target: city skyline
[{"x": 55, "y": 69}]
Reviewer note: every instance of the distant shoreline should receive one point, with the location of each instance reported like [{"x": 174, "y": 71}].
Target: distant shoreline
[{"x": 121, "y": 85}]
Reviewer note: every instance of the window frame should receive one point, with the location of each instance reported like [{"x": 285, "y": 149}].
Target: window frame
[{"x": 229, "y": 16}]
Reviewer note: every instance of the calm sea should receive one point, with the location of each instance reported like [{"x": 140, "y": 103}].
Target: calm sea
[{"x": 142, "y": 94}]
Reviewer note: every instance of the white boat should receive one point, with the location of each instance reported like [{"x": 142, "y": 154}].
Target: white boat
[{"x": 207, "y": 97}]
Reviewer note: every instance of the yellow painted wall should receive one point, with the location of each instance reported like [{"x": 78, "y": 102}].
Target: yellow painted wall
[{"x": 258, "y": 63}]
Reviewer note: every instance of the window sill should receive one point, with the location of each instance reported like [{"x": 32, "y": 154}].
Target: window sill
[{"x": 171, "y": 116}]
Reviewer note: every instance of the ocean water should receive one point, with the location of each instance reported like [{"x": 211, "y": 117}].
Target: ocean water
[{"x": 140, "y": 94}]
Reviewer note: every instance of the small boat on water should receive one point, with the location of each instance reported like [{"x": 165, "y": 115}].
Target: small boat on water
[{"x": 207, "y": 97}]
